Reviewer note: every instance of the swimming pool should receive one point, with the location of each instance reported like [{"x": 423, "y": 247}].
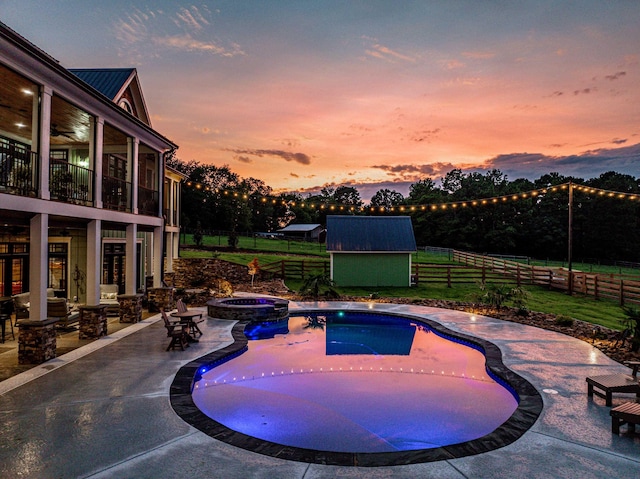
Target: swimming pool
[{"x": 362, "y": 388}]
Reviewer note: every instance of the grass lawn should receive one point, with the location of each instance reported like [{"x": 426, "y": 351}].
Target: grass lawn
[{"x": 602, "y": 312}]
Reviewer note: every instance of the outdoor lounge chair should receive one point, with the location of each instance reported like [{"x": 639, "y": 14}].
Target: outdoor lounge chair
[
  {"x": 177, "y": 331},
  {"x": 628, "y": 413},
  {"x": 604, "y": 386}
]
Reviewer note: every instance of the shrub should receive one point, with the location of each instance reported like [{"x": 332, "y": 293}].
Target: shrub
[
  {"x": 497, "y": 295},
  {"x": 318, "y": 285},
  {"x": 564, "y": 320},
  {"x": 632, "y": 323}
]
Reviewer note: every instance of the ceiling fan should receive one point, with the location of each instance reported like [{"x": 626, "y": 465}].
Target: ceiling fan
[{"x": 56, "y": 132}]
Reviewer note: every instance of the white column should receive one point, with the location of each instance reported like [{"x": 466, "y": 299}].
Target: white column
[
  {"x": 169, "y": 248},
  {"x": 94, "y": 270},
  {"x": 38, "y": 267},
  {"x": 158, "y": 233},
  {"x": 131, "y": 259},
  {"x": 170, "y": 220},
  {"x": 135, "y": 173},
  {"x": 44, "y": 145},
  {"x": 98, "y": 140}
]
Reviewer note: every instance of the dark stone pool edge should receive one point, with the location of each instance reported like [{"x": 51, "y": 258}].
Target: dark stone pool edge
[{"x": 528, "y": 410}]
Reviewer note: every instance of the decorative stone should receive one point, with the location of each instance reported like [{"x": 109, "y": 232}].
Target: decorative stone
[
  {"x": 161, "y": 299},
  {"x": 130, "y": 308},
  {"x": 169, "y": 278},
  {"x": 93, "y": 321},
  {"x": 36, "y": 341},
  {"x": 248, "y": 309}
]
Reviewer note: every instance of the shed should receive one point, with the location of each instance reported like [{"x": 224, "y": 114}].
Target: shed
[
  {"x": 370, "y": 250},
  {"x": 306, "y": 232}
]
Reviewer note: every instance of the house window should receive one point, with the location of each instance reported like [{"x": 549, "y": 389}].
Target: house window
[
  {"x": 113, "y": 265},
  {"x": 58, "y": 253},
  {"x": 60, "y": 155},
  {"x": 126, "y": 106},
  {"x": 115, "y": 167},
  {"x": 14, "y": 268}
]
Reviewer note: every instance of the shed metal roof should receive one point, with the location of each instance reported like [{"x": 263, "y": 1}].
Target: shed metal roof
[
  {"x": 300, "y": 228},
  {"x": 370, "y": 233},
  {"x": 108, "y": 81}
]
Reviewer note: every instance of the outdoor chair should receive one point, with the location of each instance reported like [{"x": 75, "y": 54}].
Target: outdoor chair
[
  {"x": 189, "y": 316},
  {"x": 6, "y": 309},
  {"x": 177, "y": 331},
  {"x": 605, "y": 385},
  {"x": 58, "y": 308}
]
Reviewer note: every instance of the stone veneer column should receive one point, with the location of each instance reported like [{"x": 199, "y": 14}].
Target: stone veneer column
[
  {"x": 93, "y": 321},
  {"x": 130, "y": 308},
  {"x": 36, "y": 341},
  {"x": 161, "y": 299}
]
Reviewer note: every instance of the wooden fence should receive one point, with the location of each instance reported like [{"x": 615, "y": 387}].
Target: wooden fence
[
  {"x": 623, "y": 288},
  {"x": 296, "y": 269},
  {"x": 474, "y": 268}
]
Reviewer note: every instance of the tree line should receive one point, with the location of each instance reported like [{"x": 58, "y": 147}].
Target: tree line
[{"x": 604, "y": 228}]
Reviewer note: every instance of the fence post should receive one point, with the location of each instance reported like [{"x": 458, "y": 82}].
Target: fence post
[
  {"x": 484, "y": 273},
  {"x": 595, "y": 287},
  {"x": 448, "y": 276},
  {"x": 302, "y": 270},
  {"x": 621, "y": 292},
  {"x": 518, "y": 275},
  {"x": 282, "y": 269}
]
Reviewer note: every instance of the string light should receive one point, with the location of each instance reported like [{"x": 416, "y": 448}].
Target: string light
[{"x": 443, "y": 206}]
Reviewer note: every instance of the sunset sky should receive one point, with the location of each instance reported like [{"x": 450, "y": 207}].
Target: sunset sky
[{"x": 372, "y": 94}]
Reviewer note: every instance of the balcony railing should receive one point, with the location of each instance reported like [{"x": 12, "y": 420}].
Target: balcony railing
[
  {"x": 70, "y": 183},
  {"x": 18, "y": 170},
  {"x": 116, "y": 194},
  {"x": 148, "y": 201}
]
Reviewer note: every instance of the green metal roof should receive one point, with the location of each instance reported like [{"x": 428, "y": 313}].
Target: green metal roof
[
  {"x": 107, "y": 81},
  {"x": 370, "y": 233}
]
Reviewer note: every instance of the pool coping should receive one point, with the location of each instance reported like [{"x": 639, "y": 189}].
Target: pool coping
[{"x": 529, "y": 408}]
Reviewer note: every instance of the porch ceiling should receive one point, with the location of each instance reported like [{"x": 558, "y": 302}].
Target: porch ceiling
[
  {"x": 70, "y": 125},
  {"x": 15, "y": 105}
]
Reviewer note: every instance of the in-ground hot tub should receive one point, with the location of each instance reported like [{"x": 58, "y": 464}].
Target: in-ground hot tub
[{"x": 248, "y": 309}]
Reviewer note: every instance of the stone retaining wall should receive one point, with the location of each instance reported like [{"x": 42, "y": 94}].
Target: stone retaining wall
[{"x": 204, "y": 272}]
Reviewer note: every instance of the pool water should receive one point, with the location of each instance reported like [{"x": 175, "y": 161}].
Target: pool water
[{"x": 356, "y": 382}]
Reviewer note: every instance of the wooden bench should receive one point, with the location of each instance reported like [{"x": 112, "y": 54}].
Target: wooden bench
[
  {"x": 627, "y": 413},
  {"x": 604, "y": 386}
]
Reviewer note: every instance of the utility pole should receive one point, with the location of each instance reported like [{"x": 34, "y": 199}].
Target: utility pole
[{"x": 570, "y": 239}]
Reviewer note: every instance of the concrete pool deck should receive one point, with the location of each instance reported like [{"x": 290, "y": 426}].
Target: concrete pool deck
[{"x": 103, "y": 411}]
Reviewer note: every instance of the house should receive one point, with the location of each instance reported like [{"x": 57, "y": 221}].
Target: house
[
  {"x": 304, "y": 232},
  {"x": 84, "y": 192},
  {"x": 370, "y": 250}
]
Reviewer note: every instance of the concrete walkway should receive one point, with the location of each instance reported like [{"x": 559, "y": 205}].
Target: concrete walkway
[{"x": 104, "y": 412}]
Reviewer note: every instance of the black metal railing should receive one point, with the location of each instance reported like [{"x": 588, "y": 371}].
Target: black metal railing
[
  {"x": 116, "y": 194},
  {"x": 147, "y": 201},
  {"x": 70, "y": 183},
  {"x": 18, "y": 170}
]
